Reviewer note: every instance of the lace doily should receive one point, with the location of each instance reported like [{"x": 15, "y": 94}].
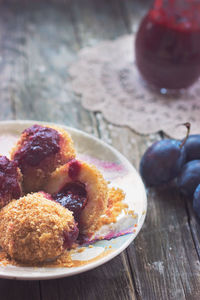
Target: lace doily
[{"x": 107, "y": 80}]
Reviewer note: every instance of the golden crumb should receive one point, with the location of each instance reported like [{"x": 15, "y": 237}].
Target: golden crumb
[
  {"x": 63, "y": 261},
  {"x": 132, "y": 213},
  {"x": 114, "y": 208},
  {"x": 33, "y": 228},
  {"x": 81, "y": 250}
]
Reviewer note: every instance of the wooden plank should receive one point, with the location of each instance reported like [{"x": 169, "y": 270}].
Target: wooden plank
[
  {"x": 123, "y": 139},
  {"x": 133, "y": 11},
  {"x": 19, "y": 290},
  {"x": 109, "y": 281},
  {"x": 43, "y": 44},
  {"x": 97, "y": 20},
  {"x": 163, "y": 258},
  {"x": 8, "y": 55},
  {"x": 194, "y": 224}
]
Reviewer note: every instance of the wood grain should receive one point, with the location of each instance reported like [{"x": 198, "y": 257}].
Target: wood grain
[
  {"x": 107, "y": 282},
  {"x": 38, "y": 41},
  {"x": 165, "y": 264},
  {"x": 19, "y": 290}
]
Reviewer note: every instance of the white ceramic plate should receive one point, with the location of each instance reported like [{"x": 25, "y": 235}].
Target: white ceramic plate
[{"x": 116, "y": 168}]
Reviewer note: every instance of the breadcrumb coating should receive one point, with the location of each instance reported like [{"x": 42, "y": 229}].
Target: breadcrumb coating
[
  {"x": 114, "y": 208},
  {"x": 34, "y": 177},
  {"x": 33, "y": 228}
]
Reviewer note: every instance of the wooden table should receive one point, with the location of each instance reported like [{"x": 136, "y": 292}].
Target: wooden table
[{"x": 38, "y": 40}]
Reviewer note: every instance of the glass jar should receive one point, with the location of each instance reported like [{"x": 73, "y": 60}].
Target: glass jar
[{"x": 168, "y": 44}]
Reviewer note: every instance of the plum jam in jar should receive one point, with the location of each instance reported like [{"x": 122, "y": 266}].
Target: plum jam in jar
[{"x": 168, "y": 44}]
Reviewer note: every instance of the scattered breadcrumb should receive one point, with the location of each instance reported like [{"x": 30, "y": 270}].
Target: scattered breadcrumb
[
  {"x": 115, "y": 207},
  {"x": 63, "y": 261},
  {"x": 80, "y": 250}
]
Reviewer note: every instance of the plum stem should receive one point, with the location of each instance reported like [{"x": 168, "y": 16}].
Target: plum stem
[{"x": 188, "y": 126}]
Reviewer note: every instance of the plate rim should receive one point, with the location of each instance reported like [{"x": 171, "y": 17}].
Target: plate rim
[{"x": 93, "y": 265}]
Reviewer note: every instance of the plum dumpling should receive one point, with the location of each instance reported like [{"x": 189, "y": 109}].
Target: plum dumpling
[
  {"x": 36, "y": 229},
  {"x": 39, "y": 151},
  {"x": 81, "y": 188}
]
